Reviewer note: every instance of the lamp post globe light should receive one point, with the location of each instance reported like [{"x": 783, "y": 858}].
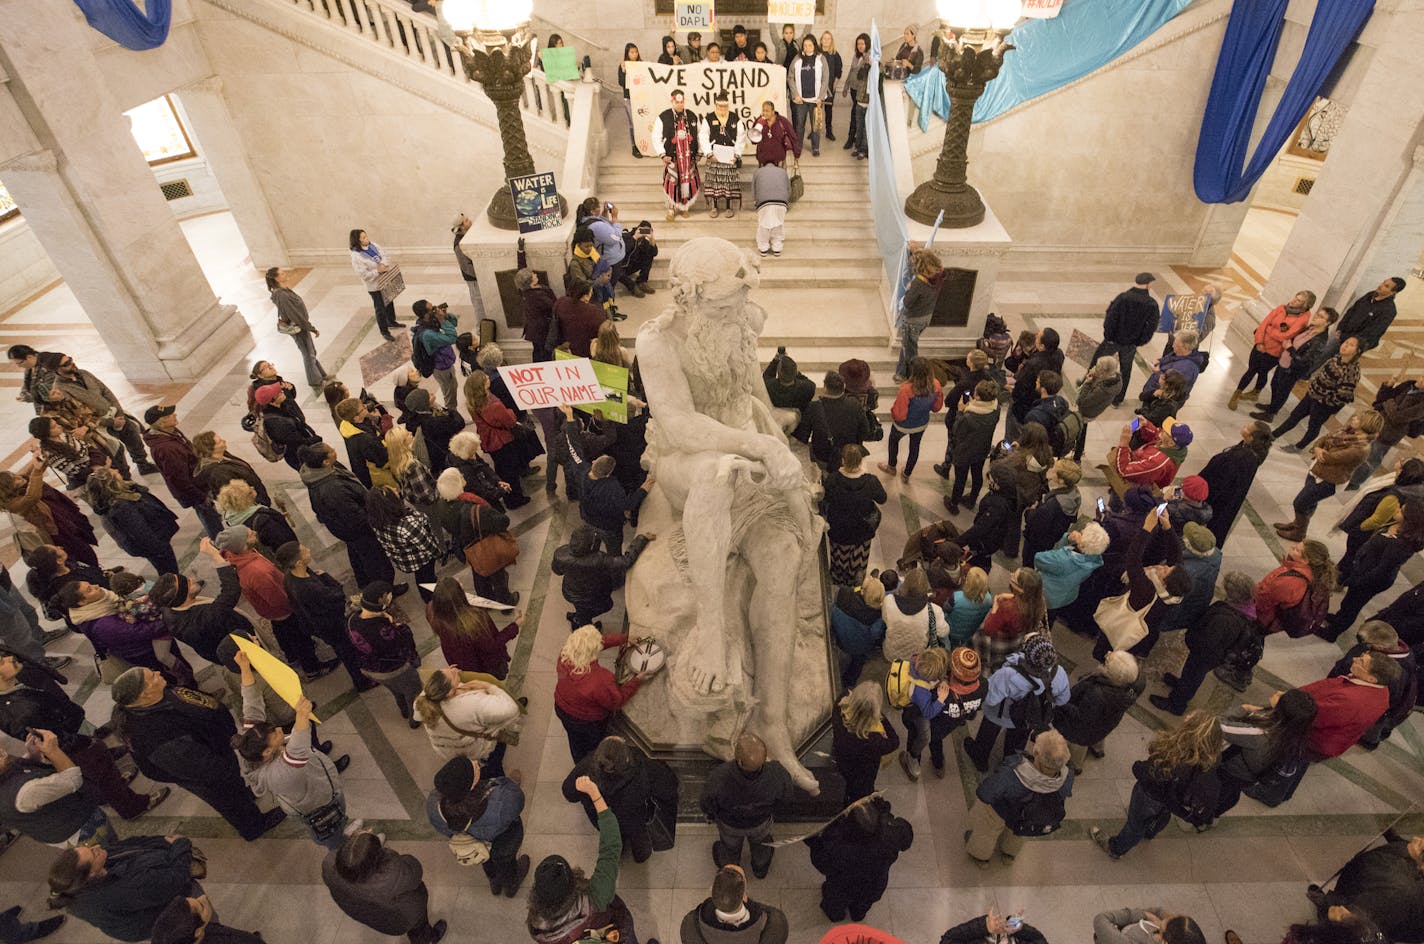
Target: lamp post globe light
[
  {"x": 971, "y": 52},
  {"x": 496, "y": 46}
]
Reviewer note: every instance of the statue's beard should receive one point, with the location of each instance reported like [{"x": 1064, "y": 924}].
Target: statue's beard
[{"x": 718, "y": 354}]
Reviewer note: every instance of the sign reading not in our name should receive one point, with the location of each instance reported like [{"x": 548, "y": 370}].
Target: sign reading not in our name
[
  {"x": 536, "y": 202},
  {"x": 553, "y": 383},
  {"x": 791, "y": 11},
  {"x": 694, "y": 15}
]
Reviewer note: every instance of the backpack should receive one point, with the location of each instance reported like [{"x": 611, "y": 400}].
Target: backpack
[
  {"x": 263, "y": 443},
  {"x": 1197, "y": 800},
  {"x": 1039, "y": 815},
  {"x": 900, "y": 684},
  {"x": 1239, "y": 663},
  {"x": 1063, "y": 437},
  {"x": 420, "y": 358},
  {"x": 1034, "y": 711},
  {"x": 1304, "y": 618}
]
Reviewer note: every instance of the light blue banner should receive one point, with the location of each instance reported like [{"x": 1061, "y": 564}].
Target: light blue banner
[{"x": 891, "y": 236}]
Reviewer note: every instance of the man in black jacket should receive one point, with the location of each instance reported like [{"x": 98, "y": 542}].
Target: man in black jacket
[
  {"x": 591, "y": 575},
  {"x": 338, "y": 500},
  {"x": 1228, "y": 626},
  {"x": 1385, "y": 883},
  {"x": 183, "y": 736},
  {"x": 789, "y": 389},
  {"x": 740, "y": 796},
  {"x": 730, "y": 917},
  {"x": 1367, "y": 319},
  {"x": 836, "y": 421},
  {"x": 1401, "y": 403},
  {"x": 202, "y": 624},
  {"x": 1130, "y": 323},
  {"x": 1046, "y": 356},
  {"x": 606, "y": 504}
]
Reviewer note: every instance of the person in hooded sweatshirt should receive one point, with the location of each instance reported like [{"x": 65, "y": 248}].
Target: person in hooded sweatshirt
[
  {"x": 730, "y": 917},
  {"x": 855, "y": 852},
  {"x": 1227, "y": 626},
  {"x": 1047, "y": 522},
  {"x": 1000, "y": 819},
  {"x": 740, "y": 797},
  {"x": 1025, "y": 674},
  {"x": 1069, "y": 563}
]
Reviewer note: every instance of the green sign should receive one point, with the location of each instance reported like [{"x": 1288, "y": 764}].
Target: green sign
[
  {"x": 615, "y": 389},
  {"x": 560, "y": 64}
]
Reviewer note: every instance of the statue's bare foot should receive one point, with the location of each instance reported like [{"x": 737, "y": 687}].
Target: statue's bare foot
[{"x": 705, "y": 662}]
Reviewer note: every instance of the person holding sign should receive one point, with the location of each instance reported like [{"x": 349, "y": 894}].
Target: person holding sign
[
  {"x": 630, "y": 54},
  {"x": 808, "y": 79},
  {"x": 722, "y": 137},
  {"x": 677, "y": 142}
]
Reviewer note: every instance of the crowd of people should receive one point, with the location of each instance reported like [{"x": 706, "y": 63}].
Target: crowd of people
[{"x": 424, "y": 492}]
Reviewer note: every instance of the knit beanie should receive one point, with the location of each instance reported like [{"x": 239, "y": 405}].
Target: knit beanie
[
  {"x": 1039, "y": 655},
  {"x": 418, "y": 400},
  {"x": 232, "y": 539},
  {"x": 127, "y": 687},
  {"x": 373, "y": 595},
  {"x": 1194, "y": 488},
  {"x": 964, "y": 664},
  {"x": 1198, "y": 539},
  {"x": 265, "y": 394},
  {"x": 455, "y": 779},
  {"x": 553, "y": 881},
  {"x": 1139, "y": 498}
]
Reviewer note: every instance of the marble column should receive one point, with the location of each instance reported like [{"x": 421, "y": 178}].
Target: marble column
[
  {"x": 92, "y": 202},
  {"x": 1365, "y": 176},
  {"x": 222, "y": 147}
]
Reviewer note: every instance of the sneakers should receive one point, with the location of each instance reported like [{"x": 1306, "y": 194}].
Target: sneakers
[
  {"x": 910, "y": 766},
  {"x": 1102, "y": 842},
  {"x": 764, "y": 252},
  {"x": 715, "y": 213},
  {"x": 731, "y": 213}
]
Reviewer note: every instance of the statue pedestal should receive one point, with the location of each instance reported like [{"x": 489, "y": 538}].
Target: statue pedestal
[
  {"x": 660, "y": 604},
  {"x": 495, "y": 256},
  {"x": 971, "y": 257}
]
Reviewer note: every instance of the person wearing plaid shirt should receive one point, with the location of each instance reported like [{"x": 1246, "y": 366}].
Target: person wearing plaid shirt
[{"x": 406, "y": 535}]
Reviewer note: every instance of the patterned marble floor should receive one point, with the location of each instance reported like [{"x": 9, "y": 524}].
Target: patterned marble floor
[{"x": 1248, "y": 873}]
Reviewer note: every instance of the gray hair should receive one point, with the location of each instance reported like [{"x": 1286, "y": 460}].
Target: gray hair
[
  {"x": 1238, "y": 588},
  {"x": 1050, "y": 752},
  {"x": 1187, "y": 338},
  {"x": 1107, "y": 364},
  {"x": 465, "y": 445},
  {"x": 491, "y": 355},
  {"x": 1120, "y": 667}
]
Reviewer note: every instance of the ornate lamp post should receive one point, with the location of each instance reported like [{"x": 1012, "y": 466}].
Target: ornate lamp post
[
  {"x": 495, "y": 44},
  {"x": 971, "y": 53}
]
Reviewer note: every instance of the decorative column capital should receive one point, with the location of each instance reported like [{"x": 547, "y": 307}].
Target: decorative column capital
[
  {"x": 502, "y": 66},
  {"x": 43, "y": 160}
]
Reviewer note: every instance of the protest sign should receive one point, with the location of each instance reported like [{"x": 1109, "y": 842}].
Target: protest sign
[
  {"x": 614, "y": 380},
  {"x": 747, "y": 84},
  {"x": 560, "y": 64},
  {"x": 791, "y": 11},
  {"x": 552, "y": 383},
  {"x": 692, "y": 15},
  {"x": 273, "y": 670},
  {"x": 1184, "y": 311},
  {"x": 536, "y": 202},
  {"x": 1041, "y": 9}
]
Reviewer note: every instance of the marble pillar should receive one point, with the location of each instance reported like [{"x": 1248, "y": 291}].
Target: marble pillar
[
  {"x": 221, "y": 145},
  {"x": 91, "y": 200},
  {"x": 496, "y": 250},
  {"x": 1366, "y": 175}
]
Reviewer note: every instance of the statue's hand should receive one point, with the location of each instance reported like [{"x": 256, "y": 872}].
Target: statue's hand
[{"x": 783, "y": 469}]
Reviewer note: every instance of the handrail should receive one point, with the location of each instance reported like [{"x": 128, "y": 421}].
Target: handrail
[{"x": 552, "y": 27}]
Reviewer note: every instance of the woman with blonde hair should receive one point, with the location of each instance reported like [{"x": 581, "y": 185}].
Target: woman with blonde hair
[
  {"x": 608, "y": 347},
  {"x": 861, "y": 737},
  {"x": 237, "y": 503},
  {"x": 413, "y": 479},
  {"x": 136, "y": 519},
  {"x": 1177, "y": 778},
  {"x": 586, "y": 694},
  {"x": 1097, "y": 704},
  {"x": 467, "y": 634},
  {"x": 501, "y": 436},
  {"x": 471, "y": 718},
  {"x": 968, "y": 607}
]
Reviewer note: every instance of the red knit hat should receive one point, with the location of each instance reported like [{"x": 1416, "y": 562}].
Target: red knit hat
[{"x": 1195, "y": 488}]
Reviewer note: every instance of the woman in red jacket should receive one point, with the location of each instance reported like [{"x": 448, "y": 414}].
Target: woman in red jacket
[
  {"x": 1306, "y": 568},
  {"x": 1272, "y": 335},
  {"x": 500, "y": 436},
  {"x": 586, "y": 694}
]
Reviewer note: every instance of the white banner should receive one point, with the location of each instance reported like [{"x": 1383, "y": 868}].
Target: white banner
[
  {"x": 1042, "y": 9},
  {"x": 570, "y": 382},
  {"x": 747, "y": 84},
  {"x": 692, "y": 15},
  {"x": 791, "y": 11}
]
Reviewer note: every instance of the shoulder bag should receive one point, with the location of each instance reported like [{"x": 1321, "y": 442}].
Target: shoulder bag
[
  {"x": 327, "y": 819},
  {"x": 798, "y": 186},
  {"x": 493, "y": 553},
  {"x": 1123, "y": 626}
]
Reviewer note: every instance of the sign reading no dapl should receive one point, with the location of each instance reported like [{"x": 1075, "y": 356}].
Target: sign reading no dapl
[{"x": 692, "y": 15}]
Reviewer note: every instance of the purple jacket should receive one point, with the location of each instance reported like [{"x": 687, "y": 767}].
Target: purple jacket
[{"x": 133, "y": 642}]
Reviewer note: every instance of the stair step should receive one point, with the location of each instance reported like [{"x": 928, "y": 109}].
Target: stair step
[{"x": 651, "y": 207}]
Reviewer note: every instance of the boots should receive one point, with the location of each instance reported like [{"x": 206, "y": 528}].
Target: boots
[
  {"x": 1293, "y": 530},
  {"x": 1235, "y": 399}
]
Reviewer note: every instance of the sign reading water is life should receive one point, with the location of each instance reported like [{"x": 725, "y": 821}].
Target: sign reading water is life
[
  {"x": 693, "y": 15},
  {"x": 568, "y": 382}
]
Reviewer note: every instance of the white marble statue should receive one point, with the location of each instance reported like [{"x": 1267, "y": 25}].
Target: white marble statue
[{"x": 744, "y": 503}]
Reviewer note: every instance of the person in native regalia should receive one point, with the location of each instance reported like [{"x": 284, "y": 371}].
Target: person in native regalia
[
  {"x": 723, "y": 135},
  {"x": 677, "y": 141}
]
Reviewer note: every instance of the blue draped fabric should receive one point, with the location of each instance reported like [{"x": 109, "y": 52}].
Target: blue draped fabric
[
  {"x": 126, "y": 24},
  {"x": 1247, "y": 52},
  {"x": 927, "y": 90},
  {"x": 891, "y": 236}
]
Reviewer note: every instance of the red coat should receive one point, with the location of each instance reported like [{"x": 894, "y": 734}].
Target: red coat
[
  {"x": 1145, "y": 465},
  {"x": 578, "y": 323},
  {"x": 495, "y": 425},
  {"x": 176, "y": 461},
  {"x": 1280, "y": 590},
  {"x": 1345, "y": 709},
  {"x": 594, "y": 695},
  {"x": 262, "y": 584},
  {"x": 1276, "y": 329}
]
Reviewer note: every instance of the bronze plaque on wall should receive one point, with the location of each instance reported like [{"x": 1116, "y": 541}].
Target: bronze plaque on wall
[
  {"x": 509, "y": 297},
  {"x": 956, "y": 296}
]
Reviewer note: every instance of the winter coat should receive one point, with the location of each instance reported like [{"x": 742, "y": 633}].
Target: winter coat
[
  {"x": 1026, "y": 379},
  {"x": 973, "y": 434},
  {"x": 590, "y": 579},
  {"x": 593, "y": 695},
  {"x": 391, "y": 900},
  {"x": 203, "y": 626},
  {"x": 1276, "y": 329},
  {"x": 1096, "y": 394},
  {"x": 856, "y": 864},
  {"x": 732, "y": 797},
  {"x": 1281, "y": 589},
  {"x": 1229, "y": 475},
  {"x": 1178, "y": 788},
  {"x": 764, "y": 925},
  {"x": 1403, "y": 692},
  {"x": 629, "y": 793},
  {"x": 141, "y": 528},
  {"x": 287, "y": 427},
  {"x": 848, "y": 505},
  {"x": 1222, "y": 629},
  {"x": 143, "y": 875},
  {"x": 1131, "y": 318},
  {"x": 1015, "y": 782},
  {"x": 1402, "y": 407},
  {"x": 1008, "y": 685},
  {"x": 1063, "y": 569},
  {"x": 1203, "y": 571},
  {"x": 1379, "y": 561},
  {"x": 1406, "y": 615},
  {"x": 1388, "y": 885},
  {"x": 338, "y": 500},
  {"x": 177, "y": 462},
  {"x": 367, "y": 454},
  {"x": 1095, "y": 708},
  {"x": 212, "y": 476},
  {"x": 1333, "y": 385},
  {"x": 1047, "y": 523},
  {"x": 836, "y": 422},
  {"x": 906, "y": 634},
  {"x": 1047, "y": 412},
  {"x": 1188, "y": 365},
  {"x": 1367, "y": 319},
  {"x": 1345, "y": 709},
  {"x": 858, "y": 628},
  {"x": 1338, "y": 454},
  {"x": 911, "y": 411},
  {"x": 995, "y": 521}
]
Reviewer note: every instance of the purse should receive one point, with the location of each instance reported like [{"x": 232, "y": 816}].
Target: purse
[
  {"x": 327, "y": 819},
  {"x": 493, "y": 553},
  {"x": 798, "y": 186},
  {"x": 1123, "y": 626},
  {"x": 468, "y": 850}
]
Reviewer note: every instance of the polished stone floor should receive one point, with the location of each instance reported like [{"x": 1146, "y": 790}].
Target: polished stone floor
[{"x": 1248, "y": 873}]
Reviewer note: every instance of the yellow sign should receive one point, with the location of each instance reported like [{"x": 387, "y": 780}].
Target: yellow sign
[{"x": 274, "y": 671}]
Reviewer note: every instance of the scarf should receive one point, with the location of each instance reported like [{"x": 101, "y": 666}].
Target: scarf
[
  {"x": 371, "y": 250},
  {"x": 106, "y": 605},
  {"x": 231, "y": 518},
  {"x": 735, "y": 918}
]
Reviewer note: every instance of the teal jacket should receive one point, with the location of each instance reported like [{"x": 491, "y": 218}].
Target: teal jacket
[{"x": 1063, "y": 570}]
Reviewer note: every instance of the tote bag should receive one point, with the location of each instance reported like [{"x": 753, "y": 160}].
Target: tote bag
[{"x": 1123, "y": 626}]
